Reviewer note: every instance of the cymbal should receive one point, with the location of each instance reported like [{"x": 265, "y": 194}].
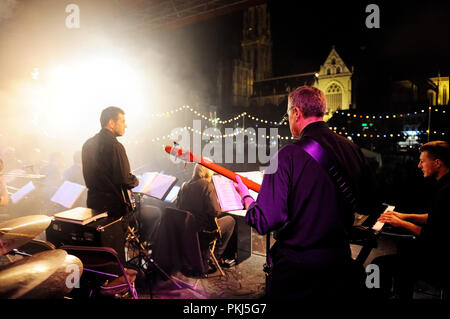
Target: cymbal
[
  {"x": 22, "y": 276},
  {"x": 18, "y": 231},
  {"x": 59, "y": 284}
]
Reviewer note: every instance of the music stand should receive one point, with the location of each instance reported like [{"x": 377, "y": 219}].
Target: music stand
[{"x": 143, "y": 260}]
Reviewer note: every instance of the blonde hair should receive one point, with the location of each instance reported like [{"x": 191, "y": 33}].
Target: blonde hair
[{"x": 203, "y": 172}]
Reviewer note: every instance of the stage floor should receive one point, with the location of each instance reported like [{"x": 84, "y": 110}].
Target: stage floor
[{"x": 243, "y": 281}]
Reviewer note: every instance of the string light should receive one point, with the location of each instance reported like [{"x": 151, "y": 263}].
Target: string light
[
  {"x": 265, "y": 121},
  {"x": 389, "y": 116},
  {"x": 285, "y": 138},
  {"x": 389, "y": 135}
]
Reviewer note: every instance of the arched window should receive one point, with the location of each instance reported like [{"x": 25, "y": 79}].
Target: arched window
[
  {"x": 333, "y": 61},
  {"x": 328, "y": 72},
  {"x": 334, "y": 97},
  {"x": 338, "y": 70}
]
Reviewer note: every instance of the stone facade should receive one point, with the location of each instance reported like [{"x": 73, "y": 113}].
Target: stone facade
[{"x": 335, "y": 80}]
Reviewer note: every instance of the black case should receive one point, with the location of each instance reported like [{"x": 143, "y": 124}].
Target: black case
[{"x": 104, "y": 232}]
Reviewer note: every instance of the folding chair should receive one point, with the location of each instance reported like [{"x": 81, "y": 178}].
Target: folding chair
[
  {"x": 108, "y": 275},
  {"x": 212, "y": 236}
]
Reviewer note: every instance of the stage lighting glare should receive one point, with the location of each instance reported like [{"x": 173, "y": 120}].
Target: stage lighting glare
[{"x": 79, "y": 90}]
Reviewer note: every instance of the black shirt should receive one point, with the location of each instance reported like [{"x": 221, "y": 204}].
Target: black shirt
[
  {"x": 434, "y": 235},
  {"x": 300, "y": 200},
  {"x": 199, "y": 197},
  {"x": 106, "y": 171}
]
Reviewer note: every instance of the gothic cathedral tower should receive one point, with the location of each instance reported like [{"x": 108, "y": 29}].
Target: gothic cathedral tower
[
  {"x": 257, "y": 41},
  {"x": 256, "y": 54}
]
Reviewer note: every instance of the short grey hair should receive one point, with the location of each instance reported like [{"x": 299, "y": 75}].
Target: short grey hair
[{"x": 310, "y": 100}]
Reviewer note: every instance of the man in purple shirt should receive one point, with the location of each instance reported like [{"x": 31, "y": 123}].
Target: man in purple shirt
[{"x": 301, "y": 204}]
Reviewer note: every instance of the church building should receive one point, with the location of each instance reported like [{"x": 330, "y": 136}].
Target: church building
[{"x": 252, "y": 80}]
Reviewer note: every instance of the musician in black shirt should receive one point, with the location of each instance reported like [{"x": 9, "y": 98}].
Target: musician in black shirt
[
  {"x": 299, "y": 200},
  {"x": 106, "y": 169},
  {"x": 423, "y": 258}
]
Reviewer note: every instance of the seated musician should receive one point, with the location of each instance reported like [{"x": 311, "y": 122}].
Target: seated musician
[
  {"x": 199, "y": 197},
  {"x": 422, "y": 259}
]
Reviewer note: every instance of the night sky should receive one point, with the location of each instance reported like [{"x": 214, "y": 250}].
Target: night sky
[{"x": 412, "y": 41}]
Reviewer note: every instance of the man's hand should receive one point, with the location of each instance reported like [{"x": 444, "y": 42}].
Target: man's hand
[
  {"x": 396, "y": 214},
  {"x": 393, "y": 218},
  {"x": 399, "y": 220},
  {"x": 240, "y": 187},
  {"x": 243, "y": 192}
]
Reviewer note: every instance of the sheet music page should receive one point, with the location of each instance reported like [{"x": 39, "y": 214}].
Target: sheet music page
[
  {"x": 160, "y": 185},
  {"x": 144, "y": 182},
  {"x": 67, "y": 194},
  {"x": 21, "y": 193},
  {"x": 229, "y": 198},
  {"x": 255, "y": 176},
  {"x": 170, "y": 198}
]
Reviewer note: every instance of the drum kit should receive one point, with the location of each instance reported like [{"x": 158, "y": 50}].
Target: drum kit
[{"x": 50, "y": 273}]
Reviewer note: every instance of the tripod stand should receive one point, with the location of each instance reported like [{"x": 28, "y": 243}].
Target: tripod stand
[{"x": 143, "y": 258}]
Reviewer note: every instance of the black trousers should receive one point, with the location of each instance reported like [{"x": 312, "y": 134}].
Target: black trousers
[
  {"x": 115, "y": 212},
  {"x": 226, "y": 224},
  {"x": 321, "y": 274}
]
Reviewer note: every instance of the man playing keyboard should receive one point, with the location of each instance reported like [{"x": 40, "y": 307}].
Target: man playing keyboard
[{"x": 423, "y": 258}]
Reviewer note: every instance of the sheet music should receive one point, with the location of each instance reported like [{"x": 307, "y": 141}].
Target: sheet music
[
  {"x": 160, "y": 185},
  {"x": 378, "y": 225},
  {"x": 67, "y": 194},
  {"x": 229, "y": 198},
  {"x": 255, "y": 176},
  {"x": 144, "y": 182},
  {"x": 21, "y": 193},
  {"x": 170, "y": 198},
  {"x": 154, "y": 184}
]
